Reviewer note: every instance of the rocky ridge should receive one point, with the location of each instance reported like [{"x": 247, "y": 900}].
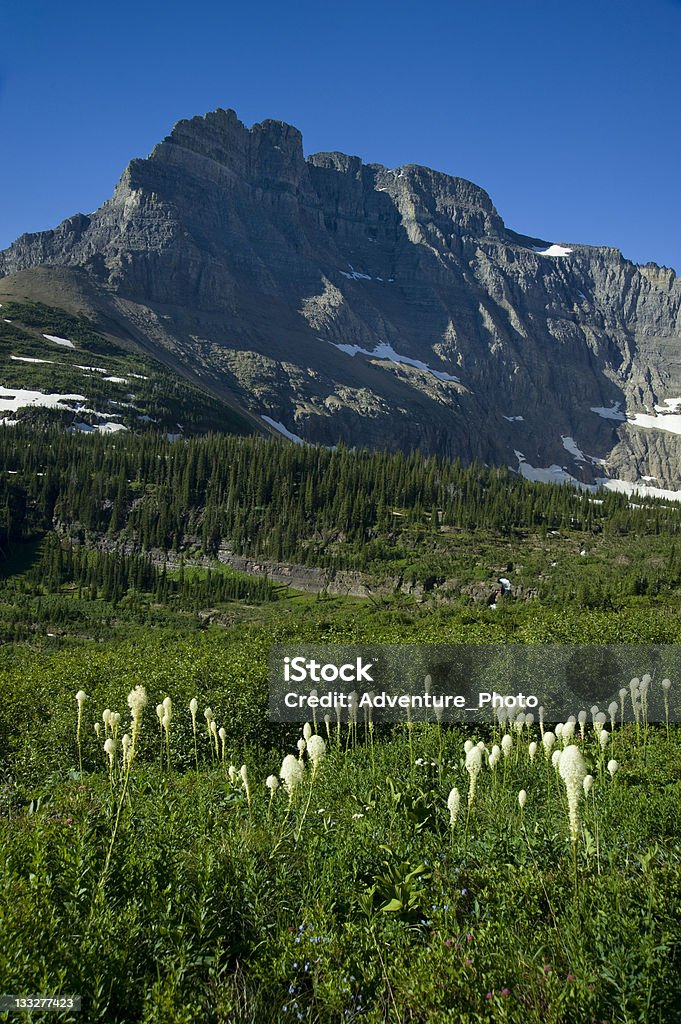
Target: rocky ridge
[{"x": 336, "y": 301}]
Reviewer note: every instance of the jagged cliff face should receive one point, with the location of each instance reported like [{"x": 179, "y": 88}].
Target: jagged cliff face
[{"x": 393, "y": 308}]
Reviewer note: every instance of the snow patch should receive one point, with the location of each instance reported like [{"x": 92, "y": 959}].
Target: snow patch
[
  {"x": 355, "y": 275},
  {"x": 514, "y": 419},
  {"x": 385, "y": 351},
  {"x": 28, "y": 359},
  {"x": 94, "y": 369},
  {"x": 570, "y": 445},
  {"x": 59, "y": 341},
  {"x": 117, "y": 380},
  {"x": 283, "y": 430},
  {"x": 667, "y": 421},
  {"x": 642, "y": 490},
  {"x": 553, "y": 250},
  {"x": 613, "y": 413},
  {"x": 100, "y": 428},
  {"x": 12, "y": 399}
]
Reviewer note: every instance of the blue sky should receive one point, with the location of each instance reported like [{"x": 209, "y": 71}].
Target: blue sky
[{"x": 568, "y": 114}]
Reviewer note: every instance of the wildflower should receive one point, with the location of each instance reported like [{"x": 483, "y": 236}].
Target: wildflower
[
  {"x": 468, "y": 745},
  {"x": 505, "y": 991},
  {"x": 581, "y": 718},
  {"x": 98, "y": 730},
  {"x": 612, "y": 768},
  {"x": 555, "y": 758},
  {"x": 532, "y": 750},
  {"x": 222, "y": 733},
  {"x": 159, "y": 713},
  {"x": 453, "y": 802},
  {"x": 612, "y": 711},
  {"x": 243, "y": 772},
  {"x": 587, "y": 784},
  {"x": 272, "y": 783},
  {"x": 572, "y": 770},
  {"x": 316, "y": 750},
  {"x": 567, "y": 733},
  {"x": 548, "y": 739},
  {"x": 559, "y": 730},
  {"x": 327, "y": 723},
  {"x": 522, "y": 798},
  {"x": 233, "y": 774},
  {"x": 603, "y": 738},
  {"x": 473, "y": 767},
  {"x": 193, "y": 708},
  {"x": 126, "y": 744},
  {"x": 106, "y": 718},
  {"x": 301, "y": 744},
  {"x": 110, "y": 750},
  {"x": 137, "y": 701},
  {"x": 307, "y": 730},
  {"x": 494, "y": 756},
  {"x": 506, "y": 745},
  {"x": 292, "y": 773}
]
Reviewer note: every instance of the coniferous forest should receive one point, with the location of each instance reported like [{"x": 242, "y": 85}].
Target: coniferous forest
[{"x": 170, "y": 855}]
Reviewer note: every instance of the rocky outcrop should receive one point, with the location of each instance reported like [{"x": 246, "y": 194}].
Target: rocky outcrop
[{"x": 353, "y": 303}]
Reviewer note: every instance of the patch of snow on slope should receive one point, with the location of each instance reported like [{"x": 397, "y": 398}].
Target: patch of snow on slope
[
  {"x": 12, "y": 399},
  {"x": 514, "y": 419},
  {"x": 283, "y": 430},
  {"x": 643, "y": 491},
  {"x": 59, "y": 341},
  {"x": 570, "y": 445},
  {"x": 387, "y": 352},
  {"x": 552, "y": 475},
  {"x": 613, "y": 413},
  {"x": 101, "y": 428},
  {"x": 671, "y": 404},
  {"x": 553, "y": 250},
  {"x": 355, "y": 275},
  {"x": 116, "y": 380},
  {"x": 28, "y": 359},
  {"x": 667, "y": 421},
  {"x": 94, "y": 369}
]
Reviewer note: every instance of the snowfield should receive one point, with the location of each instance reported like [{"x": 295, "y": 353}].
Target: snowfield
[
  {"x": 59, "y": 341},
  {"x": 387, "y": 352}
]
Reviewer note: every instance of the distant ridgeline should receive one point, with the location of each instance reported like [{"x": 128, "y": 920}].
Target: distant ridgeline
[{"x": 270, "y": 499}]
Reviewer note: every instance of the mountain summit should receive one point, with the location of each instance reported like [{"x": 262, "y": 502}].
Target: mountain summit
[{"x": 336, "y": 301}]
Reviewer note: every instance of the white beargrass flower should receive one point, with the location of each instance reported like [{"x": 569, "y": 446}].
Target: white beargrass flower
[
  {"x": 603, "y": 738},
  {"x": 548, "y": 739},
  {"x": 159, "y": 713},
  {"x": 98, "y": 730},
  {"x": 541, "y": 721},
  {"x": 222, "y": 733},
  {"x": 532, "y": 750},
  {"x": 522, "y": 798},
  {"x": 612, "y": 768},
  {"x": 453, "y": 804},
  {"x": 555, "y": 757},
  {"x": 316, "y": 750},
  {"x": 272, "y": 783},
  {"x": 110, "y": 751},
  {"x": 193, "y": 707},
  {"x": 506, "y": 744},
  {"x": 572, "y": 770},
  {"x": 81, "y": 697},
  {"x": 292, "y": 773},
  {"x": 473, "y": 767},
  {"x": 494, "y": 756},
  {"x": 612, "y": 711},
  {"x": 137, "y": 701},
  {"x": 666, "y": 685},
  {"x": 599, "y": 721},
  {"x": 243, "y": 772},
  {"x": 587, "y": 783},
  {"x": 106, "y": 718},
  {"x": 581, "y": 718},
  {"x": 127, "y": 746},
  {"x": 327, "y": 723},
  {"x": 468, "y": 745},
  {"x": 233, "y": 774},
  {"x": 529, "y": 719},
  {"x": 307, "y": 731},
  {"x": 594, "y": 712},
  {"x": 301, "y": 744},
  {"x": 567, "y": 733}
]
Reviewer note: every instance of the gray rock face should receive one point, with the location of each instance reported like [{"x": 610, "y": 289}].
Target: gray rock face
[{"x": 349, "y": 302}]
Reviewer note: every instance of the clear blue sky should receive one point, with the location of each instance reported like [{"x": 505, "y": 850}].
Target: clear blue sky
[{"x": 567, "y": 113}]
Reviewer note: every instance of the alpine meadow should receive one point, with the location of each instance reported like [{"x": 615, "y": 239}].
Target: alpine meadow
[{"x": 259, "y": 404}]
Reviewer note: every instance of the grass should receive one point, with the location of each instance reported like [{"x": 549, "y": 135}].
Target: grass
[{"x": 352, "y": 900}]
